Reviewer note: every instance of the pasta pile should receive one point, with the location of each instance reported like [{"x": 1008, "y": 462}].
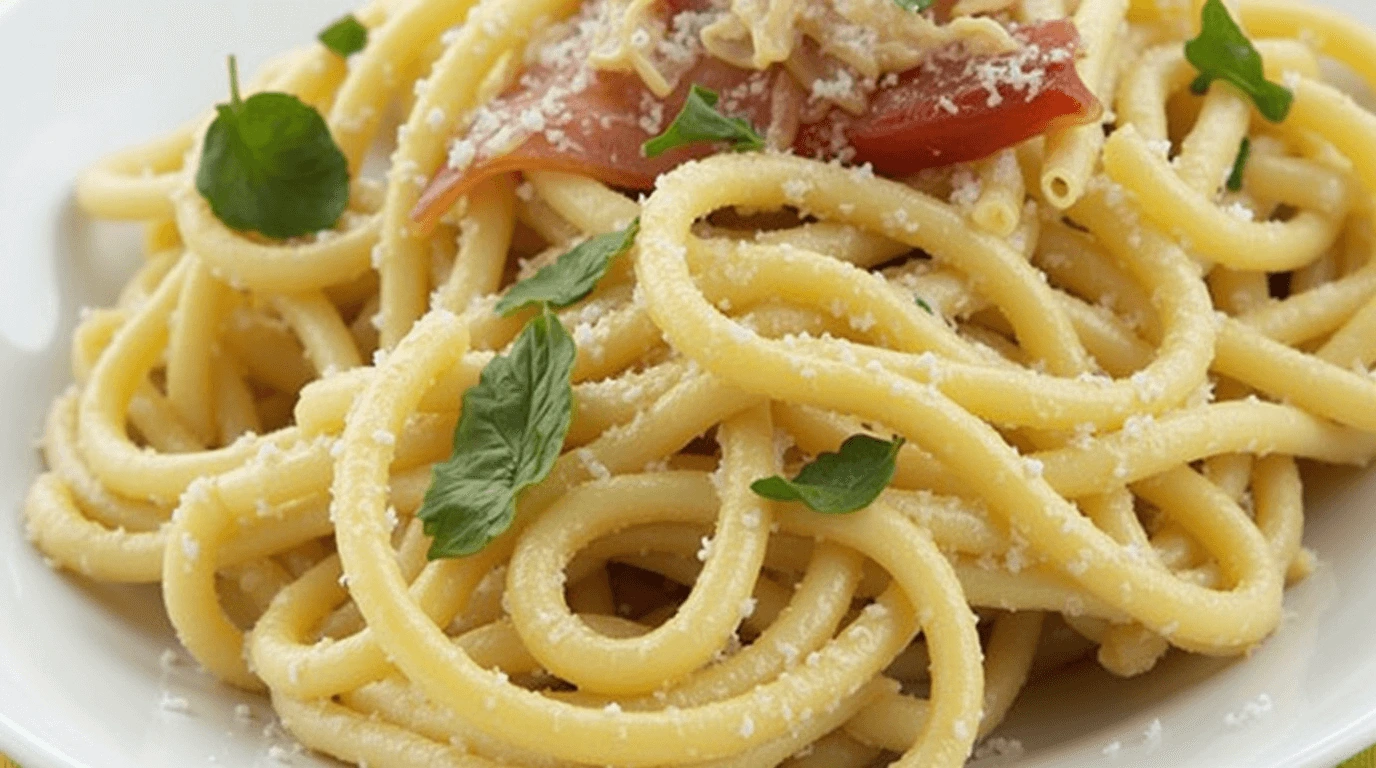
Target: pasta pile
[{"x": 1111, "y": 367}]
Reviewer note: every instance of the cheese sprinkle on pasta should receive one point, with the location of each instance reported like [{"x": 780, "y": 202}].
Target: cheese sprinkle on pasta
[{"x": 931, "y": 349}]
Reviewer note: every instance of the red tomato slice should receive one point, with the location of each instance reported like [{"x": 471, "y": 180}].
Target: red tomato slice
[
  {"x": 956, "y": 108},
  {"x": 953, "y": 108}
]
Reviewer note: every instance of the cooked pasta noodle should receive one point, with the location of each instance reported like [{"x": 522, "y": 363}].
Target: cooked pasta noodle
[{"x": 1121, "y": 344}]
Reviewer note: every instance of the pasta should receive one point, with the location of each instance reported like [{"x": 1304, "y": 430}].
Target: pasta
[{"x": 1094, "y": 326}]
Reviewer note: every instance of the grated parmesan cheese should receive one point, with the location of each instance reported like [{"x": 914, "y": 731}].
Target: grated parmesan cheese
[
  {"x": 747, "y": 728},
  {"x": 177, "y": 704}
]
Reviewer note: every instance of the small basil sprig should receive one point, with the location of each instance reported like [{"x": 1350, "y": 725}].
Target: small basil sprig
[
  {"x": 699, "y": 121},
  {"x": 514, "y": 422},
  {"x": 270, "y": 165},
  {"x": 573, "y": 276},
  {"x": 914, "y": 5},
  {"x": 1223, "y": 52},
  {"x": 1244, "y": 153},
  {"x": 839, "y": 483},
  {"x": 512, "y": 429},
  {"x": 345, "y": 37},
  {"x": 925, "y": 306}
]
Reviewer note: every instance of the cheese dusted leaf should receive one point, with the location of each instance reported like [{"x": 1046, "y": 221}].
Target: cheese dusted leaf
[
  {"x": 511, "y": 431},
  {"x": 573, "y": 276},
  {"x": 700, "y": 121}
]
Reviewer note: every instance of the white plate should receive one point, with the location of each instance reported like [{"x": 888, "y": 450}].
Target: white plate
[{"x": 81, "y": 685}]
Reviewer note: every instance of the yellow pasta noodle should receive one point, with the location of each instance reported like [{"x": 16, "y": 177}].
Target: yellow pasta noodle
[{"x": 1096, "y": 355}]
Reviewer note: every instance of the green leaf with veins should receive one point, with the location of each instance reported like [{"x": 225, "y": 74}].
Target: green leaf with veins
[
  {"x": 700, "y": 121},
  {"x": 511, "y": 431},
  {"x": 839, "y": 483},
  {"x": 573, "y": 275},
  {"x": 269, "y": 165}
]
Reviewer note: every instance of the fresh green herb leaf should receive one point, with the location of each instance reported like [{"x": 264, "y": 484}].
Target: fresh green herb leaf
[
  {"x": 511, "y": 432},
  {"x": 345, "y": 37},
  {"x": 270, "y": 165},
  {"x": 839, "y": 483},
  {"x": 698, "y": 121},
  {"x": 925, "y": 305},
  {"x": 573, "y": 276},
  {"x": 914, "y": 5},
  {"x": 1223, "y": 52},
  {"x": 1244, "y": 153}
]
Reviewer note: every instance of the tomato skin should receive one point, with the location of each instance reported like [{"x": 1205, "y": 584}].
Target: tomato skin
[{"x": 943, "y": 112}]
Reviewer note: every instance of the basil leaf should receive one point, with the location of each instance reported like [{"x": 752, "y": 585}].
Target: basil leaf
[
  {"x": 1223, "y": 52},
  {"x": 270, "y": 165},
  {"x": 914, "y": 5},
  {"x": 922, "y": 303},
  {"x": 698, "y": 121},
  {"x": 345, "y": 37},
  {"x": 573, "y": 276},
  {"x": 511, "y": 431},
  {"x": 1244, "y": 153},
  {"x": 839, "y": 483}
]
